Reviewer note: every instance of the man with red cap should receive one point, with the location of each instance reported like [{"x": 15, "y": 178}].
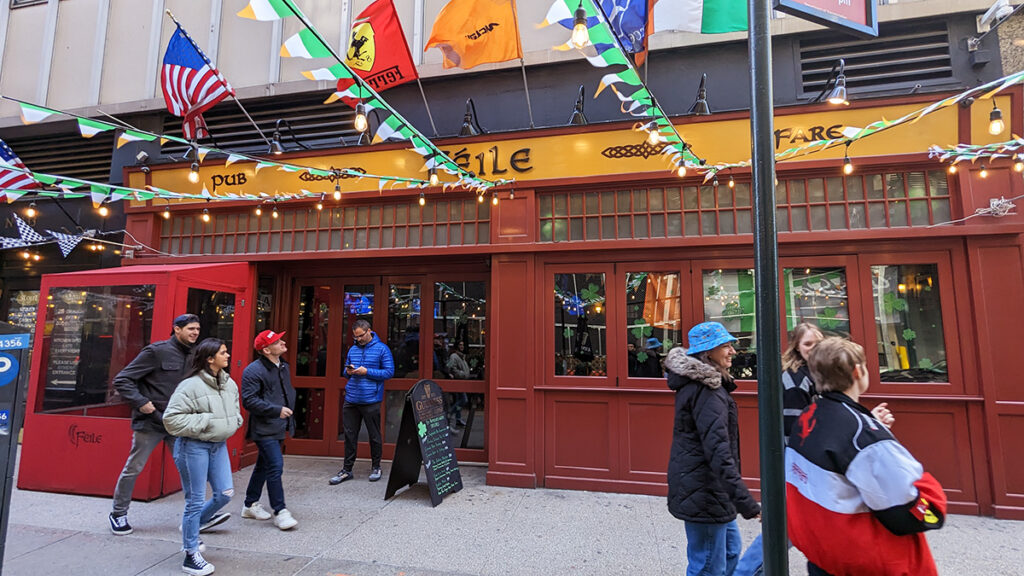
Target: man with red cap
[{"x": 268, "y": 395}]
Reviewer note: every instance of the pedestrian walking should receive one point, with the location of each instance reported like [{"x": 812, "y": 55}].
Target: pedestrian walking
[
  {"x": 146, "y": 384},
  {"x": 203, "y": 413},
  {"x": 705, "y": 488},
  {"x": 857, "y": 501},
  {"x": 369, "y": 364},
  {"x": 268, "y": 395}
]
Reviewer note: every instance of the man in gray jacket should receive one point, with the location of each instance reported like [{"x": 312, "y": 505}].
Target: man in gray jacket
[{"x": 146, "y": 384}]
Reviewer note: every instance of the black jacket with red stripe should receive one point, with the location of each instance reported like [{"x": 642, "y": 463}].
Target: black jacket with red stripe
[{"x": 857, "y": 500}]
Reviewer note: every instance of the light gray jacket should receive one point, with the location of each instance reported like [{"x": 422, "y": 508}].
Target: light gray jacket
[{"x": 204, "y": 407}]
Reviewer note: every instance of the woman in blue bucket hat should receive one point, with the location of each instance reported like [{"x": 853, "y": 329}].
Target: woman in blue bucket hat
[{"x": 705, "y": 488}]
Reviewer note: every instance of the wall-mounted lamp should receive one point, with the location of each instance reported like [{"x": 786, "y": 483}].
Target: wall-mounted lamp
[
  {"x": 835, "y": 85},
  {"x": 470, "y": 123},
  {"x": 276, "y": 148},
  {"x": 140, "y": 159},
  {"x": 700, "y": 106},
  {"x": 580, "y": 35},
  {"x": 578, "y": 118},
  {"x": 995, "y": 120}
]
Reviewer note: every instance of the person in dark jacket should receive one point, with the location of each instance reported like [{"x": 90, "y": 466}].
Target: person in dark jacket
[
  {"x": 146, "y": 383},
  {"x": 369, "y": 364},
  {"x": 268, "y": 395},
  {"x": 705, "y": 488}
]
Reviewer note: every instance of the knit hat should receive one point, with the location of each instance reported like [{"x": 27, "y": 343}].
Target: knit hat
[{"x": 708, "y": 336}]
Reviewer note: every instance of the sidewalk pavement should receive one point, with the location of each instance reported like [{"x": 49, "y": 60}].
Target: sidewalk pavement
[{"x": 350, "y": 530}]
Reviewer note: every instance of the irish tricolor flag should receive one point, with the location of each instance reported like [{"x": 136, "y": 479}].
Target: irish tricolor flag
[{"x": 701, "y": 16}]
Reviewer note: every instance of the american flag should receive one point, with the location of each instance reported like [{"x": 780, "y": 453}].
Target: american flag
[
  {"x": 11, "y": 179},
  {"x": 191, "y": 84}
]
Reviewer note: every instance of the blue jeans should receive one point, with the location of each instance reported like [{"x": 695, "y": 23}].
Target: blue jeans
[
  {"x": 712, "y": 549},
  {"x": 197, "y": 462},
  {"x": 269, "y": 465},
  {"x": 752, "y": 562}
]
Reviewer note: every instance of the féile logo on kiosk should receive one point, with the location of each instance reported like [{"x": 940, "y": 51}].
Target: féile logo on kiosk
[{"x": 78, "y": 437}]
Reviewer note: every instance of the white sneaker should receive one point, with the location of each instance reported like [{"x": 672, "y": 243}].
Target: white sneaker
[
  {"x": 284, "y": 520},
  {"x": 255, "y": 512}
]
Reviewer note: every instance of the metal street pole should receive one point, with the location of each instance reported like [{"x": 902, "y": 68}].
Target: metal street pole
[{"x": 766, "y": 282}]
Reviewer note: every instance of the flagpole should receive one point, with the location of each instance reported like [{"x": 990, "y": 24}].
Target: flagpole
[
  {"x": 522, "y": 63},
  {"x": 425, "y": 105},
  {"x": 233, "y": 97}
]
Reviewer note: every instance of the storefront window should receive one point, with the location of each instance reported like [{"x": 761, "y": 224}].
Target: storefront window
[
  {"x": 358, "y": 306},
  {"x": 404, "y": 329},
  {"x": 216, "y": 311},
  {"x": 460, "y": 318},
  {"x": 465, "y": 413},
  {"x": 580, "y": 325},
  {"x": 908, "y": 322},
  {"x": 309, "y": 413},
  {"x": 311, "y": 341},
  {"x": 817, "y": 296},
  {"x": 264, "y": 304},
  {"x": 729, "y": 298},
  {"x": 90, "y": 335},
  {"x": 653, "y": 321}
]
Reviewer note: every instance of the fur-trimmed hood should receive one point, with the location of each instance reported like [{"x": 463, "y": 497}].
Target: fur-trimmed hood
[{"x": 678, "y": 362}]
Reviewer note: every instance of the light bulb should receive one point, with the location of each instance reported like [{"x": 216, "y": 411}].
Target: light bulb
[
  {"x": 480, "y": 198},
  {"x": 36, "y": 257},
  {"x": 337, "y": 194},
  {"x": 31, "y": 211},
  {"x": 259, "y": 211},
  {"x": 952, "y": 168},
  {"x": 273, "y": 213},
  {"x": 847, "y": 166},
  {"x": 580, "y": 35},
  {"x": 360, "y": 123},
  {"x": 166, "y": 214},
  {"x": 653, "y": 138},
  {"x": 995, "y": 120},
  {"x": 206, "y": 215},
  {"x": 433, "y": 176},
  {"x": 26, "y": 254},
  {"x": 423, "y": 199},
  {"x": 494, "y": 199},
  {"x": 732, "y": 183},
  {"x": 681, "y": 172},
  {"x": 104, "y": 211},
  {"x": 1018, "y": 164},
  {"x": 984, "y": 172},
  {"x": 320, "y": 203},
  {"x": 193, "y": 174},
  {"x": 511, "y": 194}
]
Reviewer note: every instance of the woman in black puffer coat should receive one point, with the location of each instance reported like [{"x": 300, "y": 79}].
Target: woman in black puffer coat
[{"x": 705, "y": 488}]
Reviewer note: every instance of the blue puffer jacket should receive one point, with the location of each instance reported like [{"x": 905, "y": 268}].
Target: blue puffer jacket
[{"x": 380, "y": 366}]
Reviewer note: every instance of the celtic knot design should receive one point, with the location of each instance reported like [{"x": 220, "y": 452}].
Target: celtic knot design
[{"x": 642, "y": 150}]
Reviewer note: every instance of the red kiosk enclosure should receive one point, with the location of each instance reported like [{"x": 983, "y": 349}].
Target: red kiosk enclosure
[{"x": 77, "y": 431}]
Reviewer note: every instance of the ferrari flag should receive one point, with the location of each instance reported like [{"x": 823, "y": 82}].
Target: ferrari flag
[{"x": 377, "y": 51}]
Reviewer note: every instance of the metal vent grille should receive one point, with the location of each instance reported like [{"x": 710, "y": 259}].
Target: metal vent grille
[
  {"x": 904, "y": 55},
  {"x": 67, "y": 154},
  {"x": 314, "y": 124}
]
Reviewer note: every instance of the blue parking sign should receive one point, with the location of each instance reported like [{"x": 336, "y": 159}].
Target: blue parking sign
[{"x": 8, "y": 368}]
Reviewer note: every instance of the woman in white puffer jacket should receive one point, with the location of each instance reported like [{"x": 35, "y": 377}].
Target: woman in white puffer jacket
[{"x": 203, "y": 413}]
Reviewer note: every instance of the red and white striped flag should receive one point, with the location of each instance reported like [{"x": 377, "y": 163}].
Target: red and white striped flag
[
  {"x": 191, "y": 84},
  {"x": 12, "y": 179}
]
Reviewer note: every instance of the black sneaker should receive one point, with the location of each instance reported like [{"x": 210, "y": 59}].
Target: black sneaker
[
  {"x": 119, "y": 524},
  {"x": 340, "y": 477},
  {"x": 218, "y": 518},
  {"x": 195, "y": 564}
]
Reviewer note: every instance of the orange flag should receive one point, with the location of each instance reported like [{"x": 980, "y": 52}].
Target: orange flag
[{"x": 474, "y": 32}]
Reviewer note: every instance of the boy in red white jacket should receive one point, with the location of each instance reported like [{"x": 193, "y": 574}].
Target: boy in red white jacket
[{"x": 857, "y": 501}]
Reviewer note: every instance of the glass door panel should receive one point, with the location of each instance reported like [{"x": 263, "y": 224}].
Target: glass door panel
[
  {"x": 311, "y": 340},
  {"x": 729, "y": 299},
  {"x": 216, "y": 311},
  {"x": 404, "y": 328},
  {"x": 359, "y": 300},
  {"x": 580, "y": 334}
]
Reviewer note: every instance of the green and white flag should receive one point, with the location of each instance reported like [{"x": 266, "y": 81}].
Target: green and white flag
[
  {"x": 304, "y": 44},
  {"x": 269, "y": 10},
  {"x": 701, "y": 16},
  {"x": 31, "y": 114},
  {"x": 90, "y": 128}
]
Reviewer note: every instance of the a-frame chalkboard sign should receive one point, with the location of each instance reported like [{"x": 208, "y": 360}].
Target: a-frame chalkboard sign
[{"x": 423, "y": 439}]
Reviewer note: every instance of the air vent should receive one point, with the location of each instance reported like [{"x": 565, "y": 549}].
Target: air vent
[
  {"x": 67, "y": 154},
  {"x": 904, "y": 54},
  {"x": 313, "y": 123}
]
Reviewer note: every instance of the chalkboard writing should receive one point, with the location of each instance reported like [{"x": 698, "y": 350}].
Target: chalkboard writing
[{"x": 423, "y": 439}]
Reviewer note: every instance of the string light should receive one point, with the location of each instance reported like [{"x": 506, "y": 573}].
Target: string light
[
  {"x": 1018, "y": 164},
  {"x": 273, "y": 213},
  {"x": 715, "y": 182},
  {"x": 732, "y": 183},
  {"x": 433, "y": 176},
  {"x": 360, "y": 123},
  {"x": 952, "y": 168},
  {"x": 36, "y": 257},
  {"x": 653, "y": 138},
  {"x": 847, "y": 166},
  {"x": 206, "y": 215},
  {"x": 995, "y": 120},
  {"x": 103, "y": 210},
  {"x": 193, "y": 174},
  {"x": 337, "y": 191},
  {"x": 480, "y": 198},
  {"x": 580, "y": 35},
  {"x": 423, "y": 199},
  {"x": 984, "y": 172},
  {"x": 494, "y": 198},
  {"x": 259, "y": 211},
  {"x": 320, "y": 203},
  {"x": 166, "y": 214},
  {"x": 681, "y": 172},
  {"x": 511, "y": 194},
  {"x": 26, "y": 254},
  {"x": 31, "y": 211}
]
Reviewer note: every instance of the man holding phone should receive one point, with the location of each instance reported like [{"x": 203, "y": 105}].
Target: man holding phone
[{"x": 369, "y": 364}]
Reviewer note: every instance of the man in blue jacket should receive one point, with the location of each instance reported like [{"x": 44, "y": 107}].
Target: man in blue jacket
[{"x": 368, "y": 366}]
